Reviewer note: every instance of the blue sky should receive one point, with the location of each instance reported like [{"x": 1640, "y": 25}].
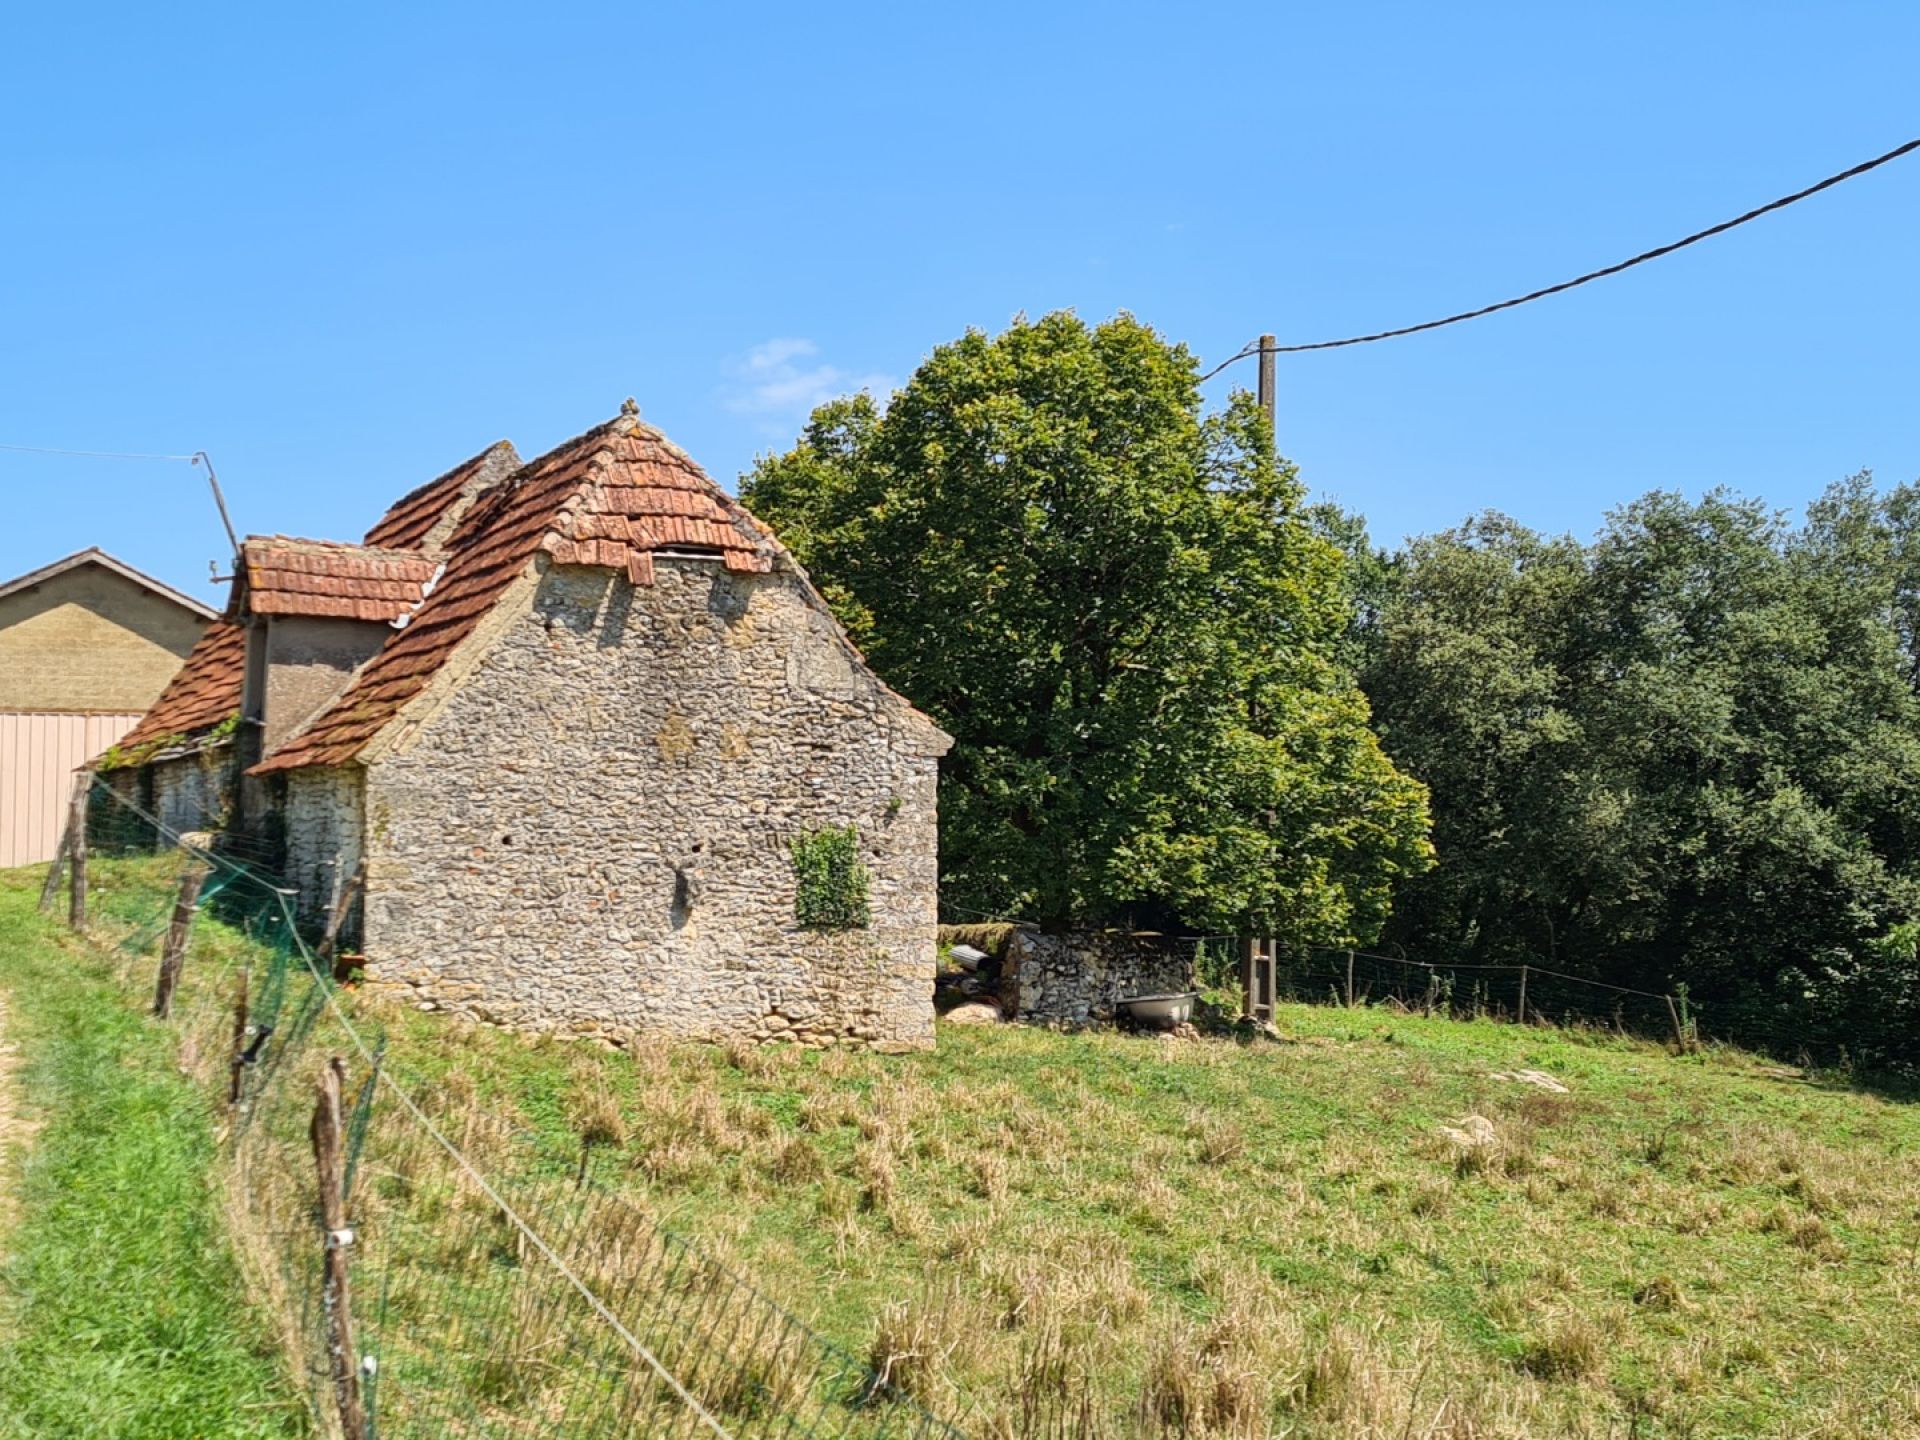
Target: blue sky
[{"x": 341, "y": 250}]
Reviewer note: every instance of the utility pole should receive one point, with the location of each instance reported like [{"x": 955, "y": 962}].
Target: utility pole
[{"x": 1266, "y": 387}]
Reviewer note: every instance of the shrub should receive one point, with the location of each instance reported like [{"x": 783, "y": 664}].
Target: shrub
[{"x": 832, "y": 888}]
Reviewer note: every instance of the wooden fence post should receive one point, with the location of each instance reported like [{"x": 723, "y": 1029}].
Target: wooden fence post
[
  {"x": 238, "y": 1063},
  {"x": 1679, "y": 1031},
  {"x": 336, "y": 1295},
  {"x": 1523, "y": 994},
  {"x": 51, "y": 888},
  {"x": 343, "y": 898},
  {"x": 1349, "y": 979},
  {"x": 186, "y": 905},
  {"x": 77, "y": 856}
]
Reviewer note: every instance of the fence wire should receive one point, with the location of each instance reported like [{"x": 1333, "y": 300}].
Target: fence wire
[
  {"x": 499, "y": 1289},
  {"x": 1518, "y": 992}
]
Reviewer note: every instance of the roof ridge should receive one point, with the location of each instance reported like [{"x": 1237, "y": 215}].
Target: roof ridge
[
  {"x": 453, "y": 470},
  {"x": 360, "y": 546},
  {"x": 94, "y": 555},
  {"x": 610, "y": 497}
]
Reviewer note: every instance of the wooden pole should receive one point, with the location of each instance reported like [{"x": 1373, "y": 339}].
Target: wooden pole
[
  {"x": 77, "y": 856},
  {"x": 51, "y": 888},
  {"x": 186, "y": 905},
  {"x": 336, "y": 1295},
  {"x": 1523, "y": 994},
  {"x": 1679, "y": 1032},
  {"x": 239, "y": 1060},
  {"x": 343, "y": 897},
  {"x": 1349, "y": 979},
  {"x": 1267, "y": 395}
]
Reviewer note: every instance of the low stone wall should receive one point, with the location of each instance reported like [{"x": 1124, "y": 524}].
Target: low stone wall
[{"x": 1074, "y": 978}]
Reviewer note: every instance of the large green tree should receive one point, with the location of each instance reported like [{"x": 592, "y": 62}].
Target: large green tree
[
  {"x": 1118, "y": 607},
  {"x": 1688, "y": 752}
]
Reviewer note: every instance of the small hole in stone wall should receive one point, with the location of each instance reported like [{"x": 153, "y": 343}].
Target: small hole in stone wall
[
  {"x": 682, "y": 899},
  {"x": 506, "y": 839}
]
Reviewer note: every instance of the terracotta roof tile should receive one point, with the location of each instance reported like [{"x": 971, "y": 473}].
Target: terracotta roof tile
[
  {"x": 611, "y": 497},
  {"x": 318, "y": 577},
  {"x": 422, "y": 518},
  {"x": 204, "y": 691}
]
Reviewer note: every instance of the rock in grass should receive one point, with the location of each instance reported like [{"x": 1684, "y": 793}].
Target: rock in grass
[
  {"x": 1471, "y": 1132},
  {"x": 974, "y": 1012}
]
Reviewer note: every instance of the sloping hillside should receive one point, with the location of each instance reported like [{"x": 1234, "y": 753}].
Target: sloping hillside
[
  {"x": 1224, "y": 1238},
  {"x": 1375, "y": 1228}
]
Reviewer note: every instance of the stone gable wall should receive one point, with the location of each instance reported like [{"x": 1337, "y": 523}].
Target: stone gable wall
[{"x": 591, "y": 833}]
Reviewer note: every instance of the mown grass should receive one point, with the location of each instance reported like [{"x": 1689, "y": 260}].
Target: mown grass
[
  {"x": 121, "y": 1309},
  {"x": 1211, "y": 1238}
]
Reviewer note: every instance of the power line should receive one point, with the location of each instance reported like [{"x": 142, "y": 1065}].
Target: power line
[
  {"x": 198, "y": 457},
  {"x": 1785, "y": 200},
  {"x": 96, "y": 454}
]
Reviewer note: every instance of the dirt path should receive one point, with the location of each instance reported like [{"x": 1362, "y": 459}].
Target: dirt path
[{"x": 14, "y": 1129}]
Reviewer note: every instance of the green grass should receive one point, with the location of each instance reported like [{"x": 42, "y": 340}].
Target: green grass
[
  {"x": 1701, "y": 1245},
  {"x": 1177, "y": 1238},
  {"x": 121, "y": 1309}
]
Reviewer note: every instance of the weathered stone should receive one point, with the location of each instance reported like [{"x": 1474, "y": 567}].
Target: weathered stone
[
  {"x": 974, "y": 1012},
  {"x": 1074, "y": 978},
  {"x": 571, "y": 835}
]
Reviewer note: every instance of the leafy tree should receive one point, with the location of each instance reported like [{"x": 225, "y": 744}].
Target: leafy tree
[
  {"x": 1119, "y": 609},
  {"x": 1688, "y": 752},
  {"x": 1469, "y": 693}
]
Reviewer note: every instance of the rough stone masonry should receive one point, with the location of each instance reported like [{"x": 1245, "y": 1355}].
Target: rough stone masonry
[{"x": 587, "y": 827}]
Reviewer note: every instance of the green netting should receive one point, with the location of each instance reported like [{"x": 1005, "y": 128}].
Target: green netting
[{"x": 526, "y": 1297}]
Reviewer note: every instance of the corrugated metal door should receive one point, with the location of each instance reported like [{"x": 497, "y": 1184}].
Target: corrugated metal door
[{"x": 38, "y": 754}]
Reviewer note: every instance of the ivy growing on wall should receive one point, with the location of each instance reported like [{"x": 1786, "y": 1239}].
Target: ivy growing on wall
[{"x": 832, "y": 890}]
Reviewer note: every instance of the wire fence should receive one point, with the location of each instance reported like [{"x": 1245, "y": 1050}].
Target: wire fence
[
  {"x": 1521, "y": 992},
  {"x": 469, "y": 1280}
]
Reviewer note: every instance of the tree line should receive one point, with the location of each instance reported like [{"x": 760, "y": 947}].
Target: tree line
[{"x": 1686, "y": 752}]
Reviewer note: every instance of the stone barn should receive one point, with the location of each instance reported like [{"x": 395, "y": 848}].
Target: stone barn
[
  {"x": 301, "y": 617},
  {"x": 604, "y": 759},
  {"x": 177, "y": 764}
]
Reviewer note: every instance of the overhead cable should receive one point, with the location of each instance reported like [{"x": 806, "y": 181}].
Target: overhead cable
[
  {"x": 1590, "y": 276},
  {"x": 97, "y": 454}
]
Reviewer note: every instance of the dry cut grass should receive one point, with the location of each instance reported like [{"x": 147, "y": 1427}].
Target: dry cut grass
[{"x": 1041, "y": 1234}]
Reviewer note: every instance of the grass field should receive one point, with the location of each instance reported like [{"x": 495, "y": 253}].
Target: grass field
[
  {"x": 1237, "y": 1239},
  {"x": 122, "y": 1314},
  {"x": 1145, "y": 1237}
]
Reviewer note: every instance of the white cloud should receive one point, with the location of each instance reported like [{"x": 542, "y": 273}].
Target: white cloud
[{"x": 781, "y": 381}]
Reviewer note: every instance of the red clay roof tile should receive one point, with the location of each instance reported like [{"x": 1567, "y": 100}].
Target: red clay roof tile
[
  {"x": 318, "y": 577},
  {"x": 610, "y": 497},
  {"x": 204, "y": 691},
  {"x": 421, "y": 518}
]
